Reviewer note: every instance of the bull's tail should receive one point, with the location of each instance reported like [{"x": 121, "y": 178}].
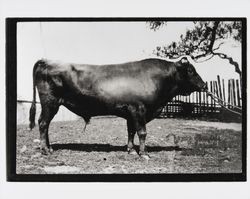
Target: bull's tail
[{"x": 33, "y": 105}]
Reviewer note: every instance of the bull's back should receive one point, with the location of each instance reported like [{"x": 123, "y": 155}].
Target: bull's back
[{"x": 126, "y": 82}]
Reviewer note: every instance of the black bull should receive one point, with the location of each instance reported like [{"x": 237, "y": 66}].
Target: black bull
[{"x": 135, "y": 91}]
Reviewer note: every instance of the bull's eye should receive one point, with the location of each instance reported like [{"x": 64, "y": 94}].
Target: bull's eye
[{"x": 191, "y": 72}]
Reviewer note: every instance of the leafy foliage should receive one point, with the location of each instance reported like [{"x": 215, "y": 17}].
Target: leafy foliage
[{"x": 203, "y": 40}]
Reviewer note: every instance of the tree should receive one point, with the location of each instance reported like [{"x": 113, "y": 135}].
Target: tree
[{"x": 203, "y": 41}]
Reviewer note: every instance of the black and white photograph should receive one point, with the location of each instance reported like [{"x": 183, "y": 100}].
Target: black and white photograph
[
  {"x": 124, "y": 99},
  {"x": 130, "y": 96}
]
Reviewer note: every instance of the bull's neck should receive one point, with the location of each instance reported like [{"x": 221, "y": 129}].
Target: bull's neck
[
  {"x": 168, "y": 94},
  {"x": 172, "y": 93}
]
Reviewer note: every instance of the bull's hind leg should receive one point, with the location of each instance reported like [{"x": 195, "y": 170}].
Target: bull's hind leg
[
  {"x": 47, "y": 114},
  {"x": 131, "y": 135}
]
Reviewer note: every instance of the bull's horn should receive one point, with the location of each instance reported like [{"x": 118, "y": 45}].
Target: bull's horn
[{"x": 182, "y": 57}]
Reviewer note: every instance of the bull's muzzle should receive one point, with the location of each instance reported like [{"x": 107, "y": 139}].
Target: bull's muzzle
[{"x": 204, "y": 88}]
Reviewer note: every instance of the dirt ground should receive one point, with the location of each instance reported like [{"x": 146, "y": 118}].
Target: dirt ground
[{"x": 174, "y": 145}]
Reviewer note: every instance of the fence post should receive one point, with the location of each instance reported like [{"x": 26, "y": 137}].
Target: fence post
[
  {"x": 238, "y": 93},
  {"x": 223, "y": 89},
  {"x": 207, "y": 101},
  {"x": 234, "y": 96},
  {"x": 229, "y": 94},
  {"x": 204, "y": 102},
  {"x": 216, "y": 88},
  {"x": 219, "y": 85},
  {"x": 200, "y": 108},
  {"x": 212, "y": 91}
]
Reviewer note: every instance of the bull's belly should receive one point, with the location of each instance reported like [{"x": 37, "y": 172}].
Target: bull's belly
[
  {"x": 87, "y": 107},
  {"x": 90, "y": 107}
]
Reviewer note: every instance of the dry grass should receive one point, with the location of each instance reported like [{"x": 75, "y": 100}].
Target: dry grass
[{"x": 174, "y": 145}]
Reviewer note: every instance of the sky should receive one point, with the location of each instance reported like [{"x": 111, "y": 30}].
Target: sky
[{"x": 103, "y": 43}]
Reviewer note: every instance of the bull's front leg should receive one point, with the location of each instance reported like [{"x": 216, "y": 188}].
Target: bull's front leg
[
  {"x": 142, "y": 133},
  {"x": 139, "y": 120}
]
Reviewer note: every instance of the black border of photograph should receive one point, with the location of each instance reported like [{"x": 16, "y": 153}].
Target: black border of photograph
[{"x": 11, "y": 113}]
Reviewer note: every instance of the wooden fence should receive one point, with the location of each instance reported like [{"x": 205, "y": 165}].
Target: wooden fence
[{"x": 201, "y": 104}]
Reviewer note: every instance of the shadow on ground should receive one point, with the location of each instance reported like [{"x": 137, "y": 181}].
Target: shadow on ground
[{"x": 109, "y": 148}]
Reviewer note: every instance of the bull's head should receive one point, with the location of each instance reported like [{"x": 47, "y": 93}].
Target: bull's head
[{"x": 189, "y": 79}]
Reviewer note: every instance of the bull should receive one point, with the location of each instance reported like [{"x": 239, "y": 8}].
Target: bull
[{"x": 136, "y": 91}]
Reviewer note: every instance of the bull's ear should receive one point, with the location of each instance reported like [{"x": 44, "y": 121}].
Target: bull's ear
[
  {"x": 184, "y": 60},
  {"x": 183, "y": 63}
]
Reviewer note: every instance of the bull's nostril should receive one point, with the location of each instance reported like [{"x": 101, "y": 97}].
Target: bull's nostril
[{"x": 205, "y": 87}]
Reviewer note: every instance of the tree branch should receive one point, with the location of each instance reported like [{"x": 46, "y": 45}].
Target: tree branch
[
  {"x": 216, "y": 24},
  {"x": 231, "y": 61},
  {"x": 218, "y": 46},
  {"x": 200, "y": 55},
  {"x": 205, "y": 59}
]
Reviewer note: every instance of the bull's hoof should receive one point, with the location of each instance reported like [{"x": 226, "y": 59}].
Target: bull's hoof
[
  {"x": 145, "y": 156},
  {"x": 132, "y": 152},
  {"x": 50, "y": 150},
  {"x": 46, "y": 151}
]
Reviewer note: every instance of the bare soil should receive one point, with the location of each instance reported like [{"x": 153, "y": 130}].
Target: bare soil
[{"x": 174, "y": 145}]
